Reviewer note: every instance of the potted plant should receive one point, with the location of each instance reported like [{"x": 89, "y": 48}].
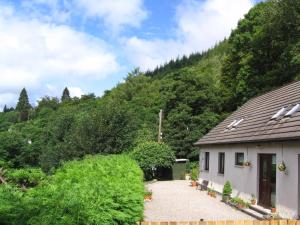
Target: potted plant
[
  {"x": 273, "y": 208},
  {"x": 194, "y": 177},
  {"x": 148, "y": 196},
  {"x": 227, "y": 191},
  {"x": 253, "y": 199},
  {"x": 247, "y": 163},
  {"x": 238, "y": 203},
  {"x": 213, "y": 193},
  {"x": 208, "y": 191},
  {"x": 281, "y": 167}
]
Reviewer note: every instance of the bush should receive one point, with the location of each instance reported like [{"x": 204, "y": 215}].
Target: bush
[
  {"x": 10, "y": 206},
  {"x": 105, "y": 190},
  {"x": 152, "y": 155},
  {"x": 227, "y": 190},
  {"x": 194, "y": 173},
  {"x": 28, "y": 177}
]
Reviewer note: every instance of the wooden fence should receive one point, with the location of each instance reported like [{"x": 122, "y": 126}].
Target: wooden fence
[{"x": 229, "y": 222}]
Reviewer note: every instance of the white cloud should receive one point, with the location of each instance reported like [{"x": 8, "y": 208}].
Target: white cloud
[
  {"x": 75, "y": 91},
  {"x": 116, "y": 13},
  {"x": 200, "y": 25},
  {"x": 7, "y": 97},
  {"x": 33, "y": 53}
]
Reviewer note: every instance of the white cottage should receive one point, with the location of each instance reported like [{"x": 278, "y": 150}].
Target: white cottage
[{"x": 264, "y": 132}]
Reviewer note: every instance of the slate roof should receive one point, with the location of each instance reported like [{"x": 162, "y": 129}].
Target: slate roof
[{"x": 257, "y": 125}]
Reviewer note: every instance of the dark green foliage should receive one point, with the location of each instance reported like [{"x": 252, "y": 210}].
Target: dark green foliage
[
  {"x": 48, "y": 102},
  {"x": 227, "y": 190},
  {"x": 23, "y": 105},
  {"x": 65, "y": 95},
  {"x": 153, "y": 155},
  {"x": 264, "y": 51}
]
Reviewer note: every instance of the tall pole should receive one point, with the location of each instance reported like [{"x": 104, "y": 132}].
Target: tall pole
[{"x": 159, "y": 126}]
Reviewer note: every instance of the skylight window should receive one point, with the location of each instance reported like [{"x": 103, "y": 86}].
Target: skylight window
[
  {"x": 279, "y": 113},
  {"x": 230, "y": 125},
  {"x": 293, "y": 110},
  {"x": 237, "y": 123}
]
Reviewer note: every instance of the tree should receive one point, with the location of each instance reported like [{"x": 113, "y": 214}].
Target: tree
[
  {"x": 5, "y": 109},
  {"x": 48, "y": 102},
  {"x": 264, "y": 52},
  {"x": 23, "y": 105},
  {"x": 65, "y": 95},
  {"x": 152, "y": 155}
]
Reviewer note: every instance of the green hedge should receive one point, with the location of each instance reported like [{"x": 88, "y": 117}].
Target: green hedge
[{"x": 104, "y": 190}]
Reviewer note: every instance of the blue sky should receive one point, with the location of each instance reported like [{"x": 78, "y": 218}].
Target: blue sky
[{"x": 90, "y": 45}]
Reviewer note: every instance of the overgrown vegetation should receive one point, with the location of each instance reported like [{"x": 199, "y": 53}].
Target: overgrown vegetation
[{"x": 97, "y": 190}]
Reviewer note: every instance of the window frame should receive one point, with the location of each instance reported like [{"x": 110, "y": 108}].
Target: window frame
[
  {"x": 221, "y": 163},
  {"x": 236, "y": 163},
  {"x": 206, "y": 161}
]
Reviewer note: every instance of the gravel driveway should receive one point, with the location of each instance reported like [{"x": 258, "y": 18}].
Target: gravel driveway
[{"x": 177, "y": 201}]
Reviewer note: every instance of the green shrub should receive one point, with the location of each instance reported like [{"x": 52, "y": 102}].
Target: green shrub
[
  {"x": 227, "y": 190},
  {"x": 11, "y": 206},
  {"x": 152, "y": 155},
  {"x": 105, "y": 190},
  {"x": 194, "y": 173},
  {"x": 28, "y": 177}
]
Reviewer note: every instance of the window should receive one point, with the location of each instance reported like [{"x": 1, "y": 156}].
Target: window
[
  {"x": 237, "y": 123},
  {"x": 278, "y": 114},
  {"x": 293, "y": 110},
  {"x": 221, "y": 162},
  {"x": 239, "y": 158},
  {"x": 206, "y": 162}
]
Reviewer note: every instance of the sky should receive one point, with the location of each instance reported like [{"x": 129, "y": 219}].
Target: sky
[{"x": 89, "y": 46}]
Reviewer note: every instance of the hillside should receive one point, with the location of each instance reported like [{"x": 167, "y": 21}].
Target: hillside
[{"x": 195, "y": 92}]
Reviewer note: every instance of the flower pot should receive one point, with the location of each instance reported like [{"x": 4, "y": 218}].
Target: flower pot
[
  {"x": 148, "y": 197},
  {"x": 253, "y": 202},
  {"x": 240, "y": 206},
  {"x": 194, "y": 183},
  {"x": 273, "y": 210},
  {"x": 225, "y": 199}
]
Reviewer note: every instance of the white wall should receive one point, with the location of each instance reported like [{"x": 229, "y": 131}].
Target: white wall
[{"x": 245, "y": 180}]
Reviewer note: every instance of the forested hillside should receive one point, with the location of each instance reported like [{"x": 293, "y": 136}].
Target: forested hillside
[{"x": 195, "y": 92}]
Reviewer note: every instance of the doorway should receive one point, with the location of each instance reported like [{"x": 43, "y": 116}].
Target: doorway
[{"x": 267, "y": 180}]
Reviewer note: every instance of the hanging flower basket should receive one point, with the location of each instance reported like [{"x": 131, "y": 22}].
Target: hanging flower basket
[
  {"x": 282, "y": 167},
  {"x": 248, "y": 163}
]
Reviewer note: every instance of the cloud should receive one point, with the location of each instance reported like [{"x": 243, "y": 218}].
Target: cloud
[
  {"x": 33, "y": 53},
  {"x": 75, "y": 91},
  {"x": 116, "y": 13},
  {"x": 199, "y": 25}
]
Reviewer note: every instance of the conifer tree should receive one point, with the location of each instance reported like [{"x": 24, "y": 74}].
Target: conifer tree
[
  {"x": 23, "y": 105},
  {"x": 5, "y": 109},
  {"x": 66, "y": 95}
]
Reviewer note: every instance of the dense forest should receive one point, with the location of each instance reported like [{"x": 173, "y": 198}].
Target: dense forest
[{"x": 195, "y": 92}]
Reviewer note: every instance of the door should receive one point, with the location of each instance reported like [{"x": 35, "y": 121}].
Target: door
[{"x": 265, "y": 180}]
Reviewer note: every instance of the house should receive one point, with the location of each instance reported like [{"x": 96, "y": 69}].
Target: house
[{"x": 250, "y": 146}]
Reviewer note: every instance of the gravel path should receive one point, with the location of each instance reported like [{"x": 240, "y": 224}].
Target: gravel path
[{"x": 177, "y": 201}]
